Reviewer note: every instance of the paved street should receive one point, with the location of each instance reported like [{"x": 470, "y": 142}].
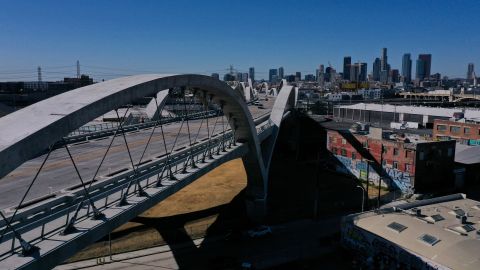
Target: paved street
[
  {"x": 289, "y": 242},
  {"x": 59, "y": 173}
]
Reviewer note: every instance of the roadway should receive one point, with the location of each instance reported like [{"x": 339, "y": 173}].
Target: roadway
[
  {"x": 59, "y": 174},
  {"x": 289, "y": 242}
]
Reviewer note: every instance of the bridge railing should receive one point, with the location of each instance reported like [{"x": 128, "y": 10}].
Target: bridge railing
[
  {"x": 264, "y": 126},
  {"x": 43, "y": 218},
  {"x": 106, "y": 129},
  {"x": 47, "y": 217}
]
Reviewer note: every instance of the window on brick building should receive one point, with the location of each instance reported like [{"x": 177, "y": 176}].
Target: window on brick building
[
  {"x": 395, "y": 151},
  {"x": 441, "y": 127},
  {"x": 365, "y": 144},
  {"x": 384, "y": 149},
  {"x": 354, "y": 155},
  {"x": 466, "y": 130},
  {"x": 344, "y": 141},
  {"x": 343, "y": 152},
  {"x": 334, "y": 150},
  {"x": 408, "y": 167},
  {"x": 384, "y": 162},
  {"x": 395, "y": 165},
  {"x": 454, "y": 129}
]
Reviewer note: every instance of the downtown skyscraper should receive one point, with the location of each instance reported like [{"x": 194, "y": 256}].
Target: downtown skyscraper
[
  {"x": 407, "y": 68},
  {"x": 424, "y": 65},
  {"x": 280, "y": 73},
  {"x": 272, "y": 75},
  {"x": 377, "y": 66},
  {"x": 384, "y": 67},
  {"x": 470, "y": 71},
  {"x": 347, "y": 61},
  {"x": 251, "y": 73},
  {"x": 358, "y": 72},
  {"x": 321, "y": 75}
]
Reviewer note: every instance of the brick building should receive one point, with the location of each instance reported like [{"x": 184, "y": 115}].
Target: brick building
[
  {"x": 407, "y": 163},
  {"x": 440, "y": 233},
  {"x": 461, "y": 130}
]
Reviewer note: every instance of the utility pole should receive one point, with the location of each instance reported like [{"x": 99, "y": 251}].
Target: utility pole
[
  {"x": 368, "y": 179},
  {"x": 39, "y": 73},
  {"x": 381, "y": 111},
  {"x": 78, "y": 69},
  {"x": 380, "y": 176},
  {"x": 363, "y": 196}
]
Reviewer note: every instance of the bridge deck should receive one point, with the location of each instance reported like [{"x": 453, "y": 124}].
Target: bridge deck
[
  {"x": 59, "y": 174},
  {"x": 43, "y": 227}
]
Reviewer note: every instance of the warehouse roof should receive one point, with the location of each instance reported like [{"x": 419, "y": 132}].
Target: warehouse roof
[
  {"x": 467, "y": 154},
  {"x": 433, "y": 111},
  {"x": 436, "y": 233}
]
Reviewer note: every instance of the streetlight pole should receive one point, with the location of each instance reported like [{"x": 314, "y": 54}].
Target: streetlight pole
[
  {"x": 381, "y": 175},
  {"x": 363, "y": 196},
  {"x": 368, "y": 177}
]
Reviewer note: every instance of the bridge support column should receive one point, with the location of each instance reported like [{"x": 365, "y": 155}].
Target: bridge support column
[{"x": 256, "y": 209}]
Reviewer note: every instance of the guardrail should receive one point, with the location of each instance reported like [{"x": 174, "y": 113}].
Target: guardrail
[
  {"x": 103, "y": 128},
  {"x": 46, "y": 216},
  {"x": 108, "y": 129}
]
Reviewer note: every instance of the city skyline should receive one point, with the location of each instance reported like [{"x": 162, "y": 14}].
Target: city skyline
[{"x": 133, "y": 38}]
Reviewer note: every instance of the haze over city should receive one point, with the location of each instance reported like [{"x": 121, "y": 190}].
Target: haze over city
[
  {"x": 239, "y": 135},
  {"x": 121, "y": 38}
]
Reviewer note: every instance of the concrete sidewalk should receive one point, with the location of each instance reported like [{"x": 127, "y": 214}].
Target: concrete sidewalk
[
  {"x": 119, "y": 261},
  {"x": 289, "y": 242}
]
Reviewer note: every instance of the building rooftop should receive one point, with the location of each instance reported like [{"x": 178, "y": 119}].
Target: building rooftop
[
  {"x": 434, "y": 111},
  {"x": 414, "y": 135},
  {"x": 435, "y": 232},
  {"x": 466, "y": 154}
]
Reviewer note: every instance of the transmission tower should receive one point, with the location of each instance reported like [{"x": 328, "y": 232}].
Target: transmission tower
[{"x": 39, "y": 72}]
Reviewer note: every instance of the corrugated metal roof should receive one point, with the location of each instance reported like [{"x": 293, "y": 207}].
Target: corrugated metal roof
[
  {"x": 470, "y": 155},
  {"x": 433, "y": 111},
  {"x": 431, "y": 240}
]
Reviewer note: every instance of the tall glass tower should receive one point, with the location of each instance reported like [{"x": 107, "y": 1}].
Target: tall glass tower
[
  {"x": 407, "y": 68},
  {"x": 347, "y": 61}
]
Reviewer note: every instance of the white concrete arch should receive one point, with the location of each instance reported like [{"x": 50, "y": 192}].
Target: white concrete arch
[
  {"x": 246, "y": 91},
  {"x": 153, "y": 106},
  {"x": 30, "y": 131},
  {"x": 286, "y": 100}
]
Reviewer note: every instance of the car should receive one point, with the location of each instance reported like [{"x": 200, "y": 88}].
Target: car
[
  {"x": 233, "y": 235},
  {"x": 259, "y": 232},
  {"x": 246, "y": 265}
]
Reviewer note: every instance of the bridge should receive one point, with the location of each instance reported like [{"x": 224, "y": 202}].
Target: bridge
[
  {"x": 440, "y": 95},
  {"x": 65, "y": 184}
]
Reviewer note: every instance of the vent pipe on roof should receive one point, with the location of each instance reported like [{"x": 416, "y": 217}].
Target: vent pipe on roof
[
  {"x": 417, "y": 212},
  {"x": 463, "y": 219}
]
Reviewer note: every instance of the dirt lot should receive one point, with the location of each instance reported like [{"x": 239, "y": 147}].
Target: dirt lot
[{"x": 215, "y": 189}]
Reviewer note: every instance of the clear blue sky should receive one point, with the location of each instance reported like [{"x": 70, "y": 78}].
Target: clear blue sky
[{"x": 113, "y": 38}]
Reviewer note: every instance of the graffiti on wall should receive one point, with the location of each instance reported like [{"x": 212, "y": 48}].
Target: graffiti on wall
[
  {"x": 358, "y": 168},
  {"x": 372, "y": 246}
]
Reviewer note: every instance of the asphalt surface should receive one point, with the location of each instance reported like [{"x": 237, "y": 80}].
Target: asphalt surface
[
  {"x": 59, "y": 173},
  {"x": 288, "y": 242}
]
